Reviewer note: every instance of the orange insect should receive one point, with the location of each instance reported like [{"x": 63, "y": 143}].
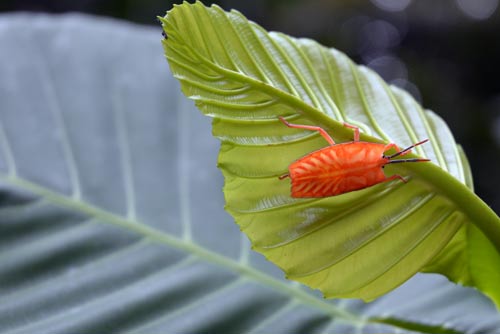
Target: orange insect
[{"x": 341, "y": 168}]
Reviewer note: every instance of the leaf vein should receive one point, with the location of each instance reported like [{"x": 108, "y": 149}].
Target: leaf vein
[
  {"x": 7, "y": 150},
  {"x": 124, "y": 149},
  {"x": 364, "y": 103},
  {"x": 55, "y": 109}
]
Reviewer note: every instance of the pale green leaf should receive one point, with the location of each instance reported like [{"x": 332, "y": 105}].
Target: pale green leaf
[{"x": 360, "y": 244}]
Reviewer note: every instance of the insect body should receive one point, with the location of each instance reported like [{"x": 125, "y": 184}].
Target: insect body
[{"x": 341, "y": 168}]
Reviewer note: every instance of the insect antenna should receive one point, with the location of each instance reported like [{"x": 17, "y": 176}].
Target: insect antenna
[
  {"x": 406, "y": 150},
  {"x": 407, "y": 160}
]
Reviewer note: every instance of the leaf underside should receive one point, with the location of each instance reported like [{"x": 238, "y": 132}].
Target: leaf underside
[{"x": 360, "y": 244}]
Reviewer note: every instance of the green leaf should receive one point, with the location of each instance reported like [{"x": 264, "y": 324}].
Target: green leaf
[
  {"x": 111, "y": 214},
  {"x": 360, "y": 244}
]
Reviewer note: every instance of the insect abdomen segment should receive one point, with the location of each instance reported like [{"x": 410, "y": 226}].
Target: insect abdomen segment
[{"x": 337, "y": 169}]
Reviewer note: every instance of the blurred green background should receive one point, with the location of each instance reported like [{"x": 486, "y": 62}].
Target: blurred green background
[{"x": 446, "y": 53}]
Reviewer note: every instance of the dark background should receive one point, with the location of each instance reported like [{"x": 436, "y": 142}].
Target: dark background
[{"x": 445, "y": 52}]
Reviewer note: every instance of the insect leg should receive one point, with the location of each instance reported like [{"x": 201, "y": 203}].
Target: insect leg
[
  {"x": 394, "y": 177},
  {"x": 284, "y": 176},
  {"x": 356, "y": 130},
  {"x": 321, "y": 131}
]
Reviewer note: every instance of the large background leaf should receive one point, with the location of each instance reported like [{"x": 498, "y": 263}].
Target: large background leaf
[
  {"x": 111, "y": 214},
  {"x": 361, "y": 244}
]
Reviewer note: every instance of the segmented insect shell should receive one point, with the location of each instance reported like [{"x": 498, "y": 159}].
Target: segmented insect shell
[{"x": 338, "y": 169}]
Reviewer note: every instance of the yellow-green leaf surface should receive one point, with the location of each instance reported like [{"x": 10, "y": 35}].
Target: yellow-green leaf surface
[{"x": 360, "y": 244}]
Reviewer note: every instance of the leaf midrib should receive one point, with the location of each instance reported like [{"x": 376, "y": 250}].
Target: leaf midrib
[{"x": 181, "y": 244}]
